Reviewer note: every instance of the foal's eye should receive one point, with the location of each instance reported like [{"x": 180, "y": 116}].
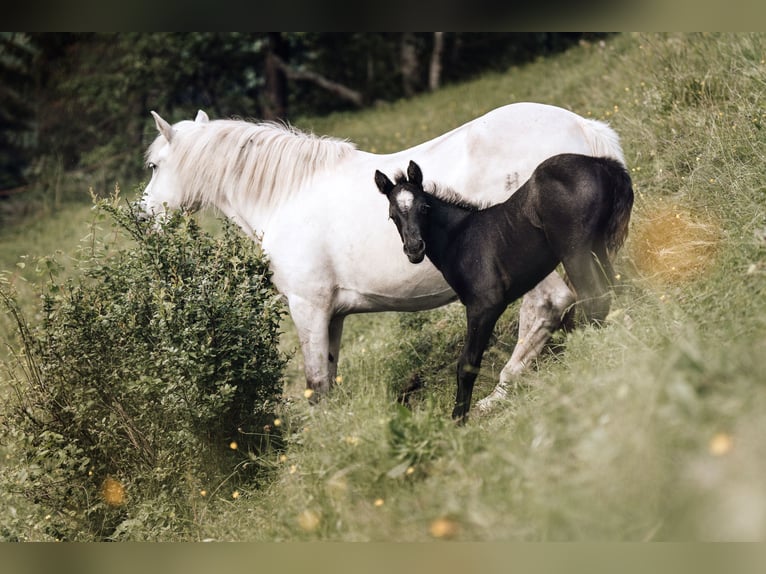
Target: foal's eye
[{"x": 152, "y": 166}]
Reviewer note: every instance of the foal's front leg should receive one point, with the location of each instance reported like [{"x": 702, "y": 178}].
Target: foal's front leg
[
  {"x": 541, "y": 313},
  {"x": 480, "y": 323}
]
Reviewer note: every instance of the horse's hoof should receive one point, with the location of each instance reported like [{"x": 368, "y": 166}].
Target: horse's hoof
[
  {"x": 313, "y": 396},
  {"x": 488, "y": 403}
]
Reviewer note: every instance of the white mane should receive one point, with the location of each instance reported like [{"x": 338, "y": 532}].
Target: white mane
[{"x": 234, "y": 158}]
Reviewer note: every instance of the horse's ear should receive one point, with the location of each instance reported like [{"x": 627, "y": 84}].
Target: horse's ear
[
  {"x": 163, "y": 127},
  {"x": 414, "y": 174},
  {"x": 384, "y": 184},
  {"x": 201, "y": 117}
]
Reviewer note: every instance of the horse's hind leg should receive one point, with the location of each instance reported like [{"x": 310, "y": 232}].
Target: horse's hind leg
[{"x": 541, "y": 313}]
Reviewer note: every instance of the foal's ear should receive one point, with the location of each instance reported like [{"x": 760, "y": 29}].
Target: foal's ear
[
  {"x": 201, "y": 118},
  {"x": 414, "y": 174},
  {"x": 163, "y": 127},
  {"x": 384, "y": 184}
]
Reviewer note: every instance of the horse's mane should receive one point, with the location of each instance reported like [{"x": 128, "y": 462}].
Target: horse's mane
[
  {"x": 445, "y": 194},
  {"x": 269, "y": 161}
]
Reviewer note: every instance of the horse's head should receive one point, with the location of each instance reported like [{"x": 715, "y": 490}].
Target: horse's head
[
  {"x": 162, "y": 192},
  {"x": 408, "y": 208}
]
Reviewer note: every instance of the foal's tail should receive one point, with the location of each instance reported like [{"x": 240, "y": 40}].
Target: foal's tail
[
  {"x": 622, "y": 204},
  {"x": 605, "y": 143}
]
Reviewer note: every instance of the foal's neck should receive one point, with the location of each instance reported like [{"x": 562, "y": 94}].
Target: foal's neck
[{"x": 445, "y": 219}]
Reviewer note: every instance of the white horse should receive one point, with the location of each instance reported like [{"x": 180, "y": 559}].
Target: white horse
[{"x": 331, "y": 251}]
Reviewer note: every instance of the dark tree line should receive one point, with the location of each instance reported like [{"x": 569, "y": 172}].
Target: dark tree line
[{"x": 79, "y": 100}]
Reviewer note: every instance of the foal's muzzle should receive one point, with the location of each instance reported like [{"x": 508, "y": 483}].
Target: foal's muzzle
[{"x": 415, "y": 252}]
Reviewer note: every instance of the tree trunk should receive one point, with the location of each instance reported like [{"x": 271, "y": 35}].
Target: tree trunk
[
  {"x": 408, "y": 64},
  {"x": 435, "y": 70},
  {"x": 275, "y": 106}
]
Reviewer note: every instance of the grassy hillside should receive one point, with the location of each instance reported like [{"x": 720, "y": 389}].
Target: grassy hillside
[{"x": 650, "y": 428}]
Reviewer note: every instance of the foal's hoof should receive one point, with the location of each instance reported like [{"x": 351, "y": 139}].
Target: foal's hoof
[{"x": 460, "y": 416}]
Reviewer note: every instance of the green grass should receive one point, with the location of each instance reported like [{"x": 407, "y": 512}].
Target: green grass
[{"x": 650, "y": 428}]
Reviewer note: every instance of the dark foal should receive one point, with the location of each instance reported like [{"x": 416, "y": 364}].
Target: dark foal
[{"x": 574, "y": 209}]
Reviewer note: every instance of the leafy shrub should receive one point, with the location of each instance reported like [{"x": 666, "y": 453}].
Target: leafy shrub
[{"x": 147, "y": 378}]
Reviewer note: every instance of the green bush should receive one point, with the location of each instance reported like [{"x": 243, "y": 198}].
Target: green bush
[{"x": 148, "y": 380}]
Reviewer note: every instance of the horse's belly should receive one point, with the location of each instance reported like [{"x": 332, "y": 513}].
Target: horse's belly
[
  {"x": 355, "y": 302},
  {"x": 413, "y": 288}
]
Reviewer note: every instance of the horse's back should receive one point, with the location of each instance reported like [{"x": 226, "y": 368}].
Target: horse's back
[
  {"x": 500, "y": 150},
  {"x": 598, "y": 137}
]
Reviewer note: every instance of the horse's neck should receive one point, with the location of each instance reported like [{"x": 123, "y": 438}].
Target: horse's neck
[
  {"x": 445, "y": 220},
  {"x": 273, "y": 168}
]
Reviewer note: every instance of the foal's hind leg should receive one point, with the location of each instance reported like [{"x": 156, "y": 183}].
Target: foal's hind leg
[
  {"x": 540, "y": 316},
  {"x": 591, "y": 282}
]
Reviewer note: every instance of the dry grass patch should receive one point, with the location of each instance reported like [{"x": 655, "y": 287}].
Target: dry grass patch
[{"x": 671, "y": 244}]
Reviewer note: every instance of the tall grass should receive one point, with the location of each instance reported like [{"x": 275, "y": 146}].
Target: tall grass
[{"x": 650, "y": 428}]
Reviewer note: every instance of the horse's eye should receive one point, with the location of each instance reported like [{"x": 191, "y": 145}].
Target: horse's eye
[
  {"x": 151, "y": 166},
  {"x": 423, "y": 208}
]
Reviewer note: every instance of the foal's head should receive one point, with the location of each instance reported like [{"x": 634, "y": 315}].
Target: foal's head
[{"x": 408, "y": 208}]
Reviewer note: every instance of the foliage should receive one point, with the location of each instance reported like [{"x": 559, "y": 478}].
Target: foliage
[{"x": 141, "y": 375}]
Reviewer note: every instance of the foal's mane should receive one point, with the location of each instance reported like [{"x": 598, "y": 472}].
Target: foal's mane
[
  {"x": 267, "y": 161},
  {"x": 444, "y": 193}
]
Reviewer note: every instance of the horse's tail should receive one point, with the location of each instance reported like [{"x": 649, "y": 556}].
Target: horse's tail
[
  {"x": 603, "y": 140},
  {"x": 622, "y": 205}
]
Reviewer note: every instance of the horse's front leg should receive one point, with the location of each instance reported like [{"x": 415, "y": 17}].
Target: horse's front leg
[
  {"x": 541, "y": 314},
  {"x": 312, "y": 324},
  {"x": 480, "y": 323}
]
